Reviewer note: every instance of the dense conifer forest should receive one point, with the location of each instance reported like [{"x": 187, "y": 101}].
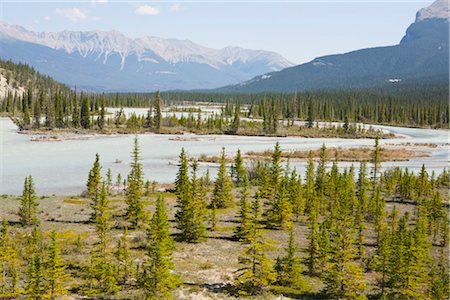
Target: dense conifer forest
[
  {"x": 325, "y": 234},
  {"x": 46, "y": 104}
]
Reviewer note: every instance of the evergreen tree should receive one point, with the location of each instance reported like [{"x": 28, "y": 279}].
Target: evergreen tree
[
  {"x": 94, "y": 185},
  {"x": 123, "y": 257},
  {"x": 376, "y": 161},
  {"x": 313, "y": 240},
  {"x": 135, "y": 211},
  {"x": 295, "y": 189},
  {"x": 37, "y": 115},
  {"x": 439, "y": 278},
  {"x": 276, "y": 170},
  {"x": 343, "y": 276},
  {"x": 28, "y": 205},
  {"x": 35, "y": 288},
  {"x": 102, "y": 117},
  {"x": 190, "y": 216},
  {"x": 102, "y": 271},
  {"x": 236, "y": 119},
  {"x": 288, "y": 267},
  {"x": 320, "y": 175},
  {"x": 309, "y": 183},
  {"x": 9, "y": 276},
  {"x": 243, "y": 229},
  {"x": 49, "y": 115},
  {"x": 55, "y": 269},
  {"x": 256, "y": 270},
  {"x": 222, "y": 195},
  {"x": 158, "y": 114},
  {"x": 238, "y": 172},
  {"x": 158, "y": 279},
  {"x": 279, "y": 214},
  {"x": 85, "y": 113}
]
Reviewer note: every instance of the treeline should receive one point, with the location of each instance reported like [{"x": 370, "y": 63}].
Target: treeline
[
  {"x": 421, "y": 106},
  {"x": 351, "y": 234}
]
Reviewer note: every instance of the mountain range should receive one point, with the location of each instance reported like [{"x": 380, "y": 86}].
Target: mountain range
[
  {"x": 111, "y": 61},
  {"x": 421, "y": 57}
]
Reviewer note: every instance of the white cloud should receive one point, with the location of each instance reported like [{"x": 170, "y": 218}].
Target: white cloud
[
  {"x": 47, "y": 18},
  {"x": 73, "y": 14},
  {"x": 177, "y": 7},
  {"x": 147, "y": 10}
]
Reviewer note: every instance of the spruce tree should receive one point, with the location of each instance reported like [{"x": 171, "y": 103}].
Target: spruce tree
[
  {"x": 238, "y": 172},
  {"x": 313, "y": 240},
  {"x": 55, "y": 269},
  {"x": 276, "y": 169},
  {"x": 279, "y": 214},
  {"x": 34, "y": 284},
  {"x": 309, "y": 183},
  {"x": 190, "y": 215},
  {"x": 296, "y": 198},
  {"x": 256, "y": 271},
  {"x": 376, "y": 161},
  {"x": 9, "y": 263},
  {"x": 222, "y": 195},
  {"x": 85, "y": 113},
  {"x": 236, "y": 119},
  {"x": 135, "y": 213},
  {"x": 123, "y": 258},
  {"x": 102, "y": 271},
  {"x": 343, "y": 275},
  {"x": 158, "y": 114},
  {"x": 28, "y": 204},
  {"x": 288, "y": 267},
  {"x": 242, "y": 230},
  {"x": 158, "y": 279},
  {"x": 94, "y": 185}
]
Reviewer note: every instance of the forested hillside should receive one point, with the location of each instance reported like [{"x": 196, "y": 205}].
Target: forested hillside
[
  {"x": 47, "y": 104},
  {"x": 420, "y": 57}
]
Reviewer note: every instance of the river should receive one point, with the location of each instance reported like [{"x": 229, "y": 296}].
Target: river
[{"x": 62, "y": 167}]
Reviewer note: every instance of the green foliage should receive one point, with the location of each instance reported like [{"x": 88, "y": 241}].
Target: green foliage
[
  {"x": 238, "y": 172},
  {"x": 94, "y": 185},
  {"x": 190, "y": 215},
  {"x": 101, "y": 272},
  {"x": 28, "y": 204},
  {"x": 288, "y": 267},
  {"x": 242, "y": 231},
  {"x": 222, "y": 196},
  {"x": 157, "y": 114},
  {"x": 54, "y": 269},
  {"x": 123, "y": 257},
  {"x": 135, "y": 213},
  {"x": 157, "y": 279},
  {"x": 35, "y": 284},
  {"x": 256, "y": 271},
  {"x": 9, "y": 262}
]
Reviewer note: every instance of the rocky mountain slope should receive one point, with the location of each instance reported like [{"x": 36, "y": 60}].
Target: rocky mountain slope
[
  {"x": 421, "y": 57},
  {"x": 110, "y": 61}
]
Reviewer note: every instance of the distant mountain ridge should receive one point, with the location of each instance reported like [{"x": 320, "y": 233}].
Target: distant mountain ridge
[
  {"x": 421, "y": 56},
  {"x": 109, "y": 60}
]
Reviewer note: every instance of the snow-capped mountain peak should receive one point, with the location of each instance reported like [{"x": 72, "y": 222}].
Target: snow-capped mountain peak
[{"x": 104, "y": 43}]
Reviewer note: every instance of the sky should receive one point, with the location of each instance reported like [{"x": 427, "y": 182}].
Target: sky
[{"x": 298, "y": 30}]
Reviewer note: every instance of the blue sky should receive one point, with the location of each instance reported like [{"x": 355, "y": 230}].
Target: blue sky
[{"x": 298, "y": 30}]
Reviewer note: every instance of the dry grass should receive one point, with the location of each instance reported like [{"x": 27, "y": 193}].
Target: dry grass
[
  {"x": 206, "y": 269},
  {"x": 343, "y": 154},
  {"x": 346, "y": 154}
]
